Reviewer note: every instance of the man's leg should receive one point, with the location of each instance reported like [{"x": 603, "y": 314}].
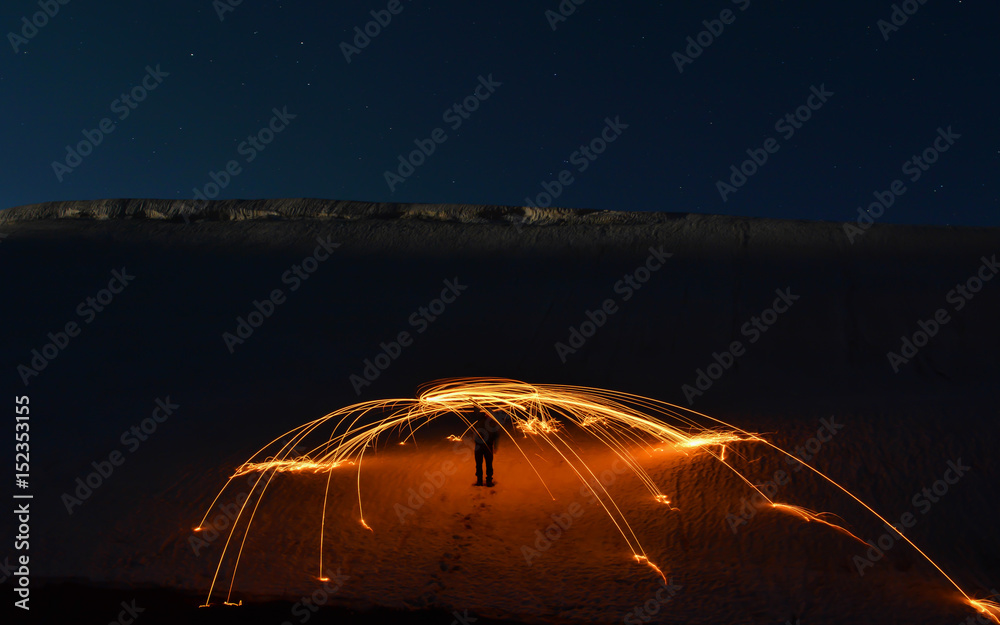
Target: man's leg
[
  {"x": 479, "y": 465},
  {"x": 488, "y": 456}
]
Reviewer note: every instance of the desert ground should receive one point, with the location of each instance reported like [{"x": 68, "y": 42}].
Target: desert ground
[{"x": 494, "y": 291}]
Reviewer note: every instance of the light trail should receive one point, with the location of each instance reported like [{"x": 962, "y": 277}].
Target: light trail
[{"x": 542, "y": 412}]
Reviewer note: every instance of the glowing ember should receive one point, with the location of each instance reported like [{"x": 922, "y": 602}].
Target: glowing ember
[
  {"x": 624, "y": 423},
  {"x": 302, "y": 464},
  {"x": 537, "y": 426}
]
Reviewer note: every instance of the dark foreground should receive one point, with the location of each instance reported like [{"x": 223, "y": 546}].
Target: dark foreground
[{"x": 70, "y": 602}]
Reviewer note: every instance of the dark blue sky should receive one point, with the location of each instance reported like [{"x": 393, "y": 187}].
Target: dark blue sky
[{"x": 557, "y": 87}]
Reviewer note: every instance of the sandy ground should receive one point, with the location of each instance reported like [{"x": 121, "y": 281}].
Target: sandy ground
[
  {"x": 462, "y": 548},
  {"x": 455, "y": 546}
]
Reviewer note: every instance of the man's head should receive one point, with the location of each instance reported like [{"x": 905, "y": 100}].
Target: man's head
[{"x": 483, "y": 418}]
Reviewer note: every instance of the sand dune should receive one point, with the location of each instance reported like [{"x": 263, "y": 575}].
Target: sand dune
[{"x": 530, "y": 278}]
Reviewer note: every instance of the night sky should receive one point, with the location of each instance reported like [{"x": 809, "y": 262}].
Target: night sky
[{"x": 547, "y": 84}]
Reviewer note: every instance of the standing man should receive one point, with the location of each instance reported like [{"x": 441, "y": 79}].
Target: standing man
[{"x": 486, "y": 432}]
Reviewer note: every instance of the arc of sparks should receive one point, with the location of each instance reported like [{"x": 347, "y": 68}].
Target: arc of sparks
[{"x": 621, "y": 421}]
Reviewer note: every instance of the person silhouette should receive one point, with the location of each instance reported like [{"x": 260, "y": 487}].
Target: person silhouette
[{"x": 486, "y": 433}]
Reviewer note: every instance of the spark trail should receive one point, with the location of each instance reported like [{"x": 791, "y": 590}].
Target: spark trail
[{"x": 626, "y": 424}]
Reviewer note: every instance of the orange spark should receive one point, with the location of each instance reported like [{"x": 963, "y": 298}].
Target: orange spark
[{"x": 623, "y": 422}]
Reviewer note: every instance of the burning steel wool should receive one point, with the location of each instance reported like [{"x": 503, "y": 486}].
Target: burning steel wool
[{"x": 628, "y": 425}]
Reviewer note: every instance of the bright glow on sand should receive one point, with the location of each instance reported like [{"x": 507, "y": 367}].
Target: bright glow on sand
[{"x": 549, "y": 414}]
